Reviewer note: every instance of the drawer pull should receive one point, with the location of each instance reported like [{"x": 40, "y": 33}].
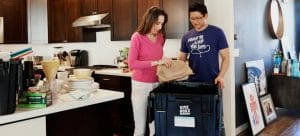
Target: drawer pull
[{"x": 105, "y": 79}]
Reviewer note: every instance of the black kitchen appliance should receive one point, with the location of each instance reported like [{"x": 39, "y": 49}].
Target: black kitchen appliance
[
  {"x": 10, "y": 82},
  {"x": 79, "y": 58}
]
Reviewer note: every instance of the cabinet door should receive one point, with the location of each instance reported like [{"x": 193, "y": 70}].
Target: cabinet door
[
  {"x": 15, "y": 20},
  {"x": 89, "y": 7},
  {"x": 56, "y": 20},
  {"x": 122, "y": 115},
  {"x": 124, "y": 19},
  {"x": 61, "y": 14},
  {"x": 178, "y": 22},
  {"x": 72, "y": 12},
  {"x": 143, "y": 5},
  {"x": 109, "y": 82}
]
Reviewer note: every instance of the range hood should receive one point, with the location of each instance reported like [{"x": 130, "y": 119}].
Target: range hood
[{"x": 91, "y": 21}]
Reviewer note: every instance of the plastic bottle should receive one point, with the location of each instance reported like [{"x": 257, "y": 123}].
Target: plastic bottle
[
  {"x": 294, "y": 68},
  {"x": 283, "y": 66},
  {"x": 276, "y": 69},
  {"x": 288, "y": 68}
]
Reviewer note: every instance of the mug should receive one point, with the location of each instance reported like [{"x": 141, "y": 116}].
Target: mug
[{"x": 63, "y": 76}]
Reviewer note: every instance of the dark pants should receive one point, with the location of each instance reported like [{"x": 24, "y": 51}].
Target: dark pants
[{"x": 220, "y": 122}]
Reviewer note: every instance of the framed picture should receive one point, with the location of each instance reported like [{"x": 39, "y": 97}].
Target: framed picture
[
  {"x": 268, "y": 108},
  {"x": 256, "y": 74},
  {"x": 253, "y": 108}
]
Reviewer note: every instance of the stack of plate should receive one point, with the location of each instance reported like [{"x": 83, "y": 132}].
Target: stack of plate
[{"x": 81, "y": 84}]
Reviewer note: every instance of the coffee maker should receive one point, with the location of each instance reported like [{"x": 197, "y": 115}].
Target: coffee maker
[{"x": 79, "y": 58}]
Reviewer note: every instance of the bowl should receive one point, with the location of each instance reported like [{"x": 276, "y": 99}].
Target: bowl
[{"x": 82, "y": 73}]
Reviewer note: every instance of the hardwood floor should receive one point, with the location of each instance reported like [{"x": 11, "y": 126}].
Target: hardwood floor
[{"x": 287, "y": 124}]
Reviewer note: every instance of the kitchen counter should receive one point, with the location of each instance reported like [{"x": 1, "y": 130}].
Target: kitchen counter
[
  {"x": 100, "y": 96},
  {"x": 113, "y": 71}
]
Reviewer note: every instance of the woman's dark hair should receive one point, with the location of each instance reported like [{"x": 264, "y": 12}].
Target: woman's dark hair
[
  {"x": 149, "y": 18},
  {"x": 198, "y": 7}
]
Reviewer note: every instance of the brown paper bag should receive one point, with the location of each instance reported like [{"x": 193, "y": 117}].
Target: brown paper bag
[{"x": 179, "y": 70}]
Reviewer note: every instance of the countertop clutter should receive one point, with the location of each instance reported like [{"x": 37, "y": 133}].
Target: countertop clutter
[
  {"x": 60, "y": 105},
  {"x": 113, "y": 71}
]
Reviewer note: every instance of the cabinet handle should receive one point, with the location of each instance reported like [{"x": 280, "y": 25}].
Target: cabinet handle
[{"x": 105, "y": 79}]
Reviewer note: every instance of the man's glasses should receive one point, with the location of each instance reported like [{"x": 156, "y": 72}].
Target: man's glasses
[{"x": 196, "y": 18}]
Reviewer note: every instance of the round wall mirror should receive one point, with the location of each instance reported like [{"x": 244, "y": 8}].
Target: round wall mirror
[{"x": 275, "y": 19}]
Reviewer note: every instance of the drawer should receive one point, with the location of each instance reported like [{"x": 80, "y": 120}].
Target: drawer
[{"x": 109, "y": 82}]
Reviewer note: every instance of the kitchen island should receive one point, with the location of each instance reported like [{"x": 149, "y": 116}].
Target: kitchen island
[{"x": 76, "y": 112}]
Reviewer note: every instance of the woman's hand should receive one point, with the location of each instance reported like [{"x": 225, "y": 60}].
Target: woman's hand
[{"x": 163, "y": 61}]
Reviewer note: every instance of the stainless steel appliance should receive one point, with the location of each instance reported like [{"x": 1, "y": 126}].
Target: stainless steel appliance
[
  {"x": 91, "y": 21},
  {"x": 79, "y": 58}
]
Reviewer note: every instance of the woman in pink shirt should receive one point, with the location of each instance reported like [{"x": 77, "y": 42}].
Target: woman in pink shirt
[{"x": 145, "y": 53}]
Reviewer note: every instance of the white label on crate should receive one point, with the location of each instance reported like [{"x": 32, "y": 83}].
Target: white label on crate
[
  {"x": 183, "y": 121},
  {"x": 184, "y": 110}
]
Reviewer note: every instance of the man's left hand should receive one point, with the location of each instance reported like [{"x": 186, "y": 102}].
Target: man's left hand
[{"x": 220, "y": 82}]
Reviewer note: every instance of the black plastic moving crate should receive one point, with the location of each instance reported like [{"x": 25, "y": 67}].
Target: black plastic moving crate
[{"x": 185, "y": 109}]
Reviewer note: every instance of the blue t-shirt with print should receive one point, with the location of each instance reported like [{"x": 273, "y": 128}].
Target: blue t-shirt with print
[{"x": 203, "y": 49}]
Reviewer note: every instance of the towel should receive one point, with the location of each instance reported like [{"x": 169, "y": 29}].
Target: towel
[{"x": 179, "y": 70}]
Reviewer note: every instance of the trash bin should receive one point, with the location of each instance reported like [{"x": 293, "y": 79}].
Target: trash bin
[
  {"x": 185, "y": 109},
  {"x": 10, "y": 77}
]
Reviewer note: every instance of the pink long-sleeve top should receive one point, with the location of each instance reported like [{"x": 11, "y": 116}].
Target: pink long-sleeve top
[{"x": 142, "y": 52}]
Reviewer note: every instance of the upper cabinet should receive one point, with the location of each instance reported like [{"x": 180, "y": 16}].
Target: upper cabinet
[
  {"x": 61, "y": 14},
  {"x": 91, "y": 7},
  {"x": 178, "y": 22},
  {"x": 15, "y": 20},
  {"x": 124, "y": 19},
  {"x": 127, "y": 14},
  {"x": 58, "y": 15},
  {"x": 143, "y": 5}
]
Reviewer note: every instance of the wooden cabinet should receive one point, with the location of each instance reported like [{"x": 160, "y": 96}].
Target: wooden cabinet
[
  {"x": 143, "y": 5},
  {"x": 124, "y": 19},
  {"x": 15, "y": 20},
  {"x": 127, "y": 14},
  {"x": 61, "y": 14},
  {"x": 92, "y": 120},
  {"x": 285, "y": 91},
  {"x": 177, "y": 18},
  {"x": 122, "y": 114},
  {"x": 91, "y": 7}
]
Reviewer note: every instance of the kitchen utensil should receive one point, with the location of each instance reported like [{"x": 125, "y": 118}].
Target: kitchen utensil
[{"x": 50, "y": 68}]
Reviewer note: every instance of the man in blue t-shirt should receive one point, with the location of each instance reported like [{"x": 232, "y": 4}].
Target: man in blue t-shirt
[{"x": 203, "y": 45}]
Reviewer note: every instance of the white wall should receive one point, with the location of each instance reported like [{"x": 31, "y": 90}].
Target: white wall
[
  {"x": 220, "y": 13},
  {"x": 103, "y": 51}
]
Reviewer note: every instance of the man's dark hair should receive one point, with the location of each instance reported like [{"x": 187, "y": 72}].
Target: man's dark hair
[{"x": 198, "y": 7}]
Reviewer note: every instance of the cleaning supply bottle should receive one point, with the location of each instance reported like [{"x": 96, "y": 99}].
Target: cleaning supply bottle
[{"x": 288, "y": 68}]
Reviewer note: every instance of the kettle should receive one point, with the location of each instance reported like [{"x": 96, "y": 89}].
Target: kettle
[{"x": 79, "y": 58}]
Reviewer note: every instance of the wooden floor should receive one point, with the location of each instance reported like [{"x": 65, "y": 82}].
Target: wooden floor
[{"x": 284, "y": 125}]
